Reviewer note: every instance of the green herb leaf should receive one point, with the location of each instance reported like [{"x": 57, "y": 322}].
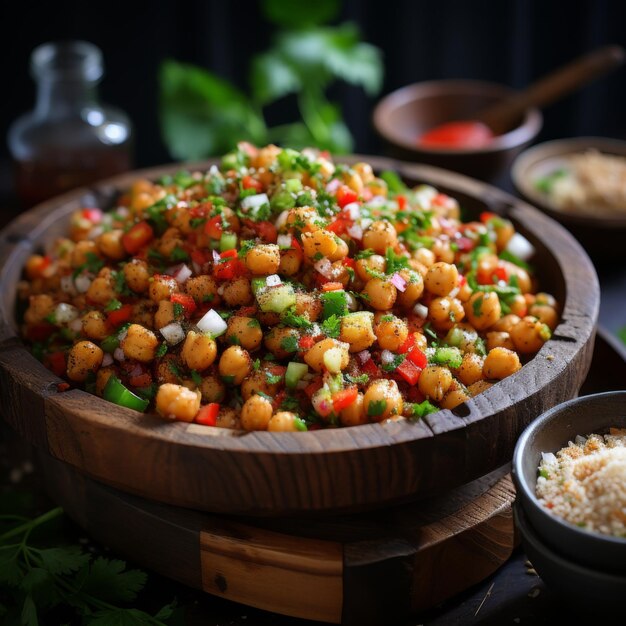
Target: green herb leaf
[
  {"x": 331, "y": 326},
  {"x": 289, "y": 343},
  {"x": 376, "y": 407},
  {"x": 114, "y": 305},
  {"x": 363, "y": 379},
  {"x": 296, "y": 15},
  {"x": 273, "y": 379},
  {"x": 394, "y": 182},
  {"x": 197, "y": 379},
  {"x": 63, "y": 560}
]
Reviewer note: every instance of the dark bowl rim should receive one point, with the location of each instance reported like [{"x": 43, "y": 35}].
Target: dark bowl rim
[
  {"x": 524, "y": 133},
  {"x": 528, "y": 495},
  {"x": 531, "y": 534},
  {"x": 544, "y": 151}
]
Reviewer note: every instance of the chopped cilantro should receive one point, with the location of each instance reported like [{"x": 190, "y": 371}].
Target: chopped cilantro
[
  {"x": 477, "y": 306},
  {"x": 263, "y": 395},
  {"x": 289, "y": 343},
  {"x": 512, "y": 258},
  {"x": 398, "y": 359},
  {"x": 246, "y": 246},
  {"x": 178, "y": 254},
  {"x": 229, "y": 380},
  {"x": 254, "y": 323},
  {"x": 331, "y": 326},
  {"x": 119, "y": 280},
  {"x": 197, "y": 379},
  {"x": 114, "y": 305},
  {"x": 161, "y": 350},
  {"x": 421, "y": 409},
  {"x": 196, "y": 222},
  {"x": 376, "y": 407},
  {"x": 273, "y": 379},
  {"x": 394, "y": 182},
  {"x": 290, "y": 404},
  {"x": 179, "y": 309},
  {"x": 364, "y": 254},
  {"x": 256, "y": 365},
  {"x": 395, "y": 262},
  {"x": 363, "y": 379},
  {"x": 290, "y": 318},
  {"x": 234, "y": 340},
  {"x": 173, "y": 367}
]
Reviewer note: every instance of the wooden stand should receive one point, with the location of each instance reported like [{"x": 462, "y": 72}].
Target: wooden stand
[{"x": 369, "y": 568}]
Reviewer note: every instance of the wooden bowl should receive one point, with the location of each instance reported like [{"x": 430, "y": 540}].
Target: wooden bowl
[
  {"x": 403, "y": 115},
  {"x": 602, "y": 237},
  {"x": 262, "y": 473}
]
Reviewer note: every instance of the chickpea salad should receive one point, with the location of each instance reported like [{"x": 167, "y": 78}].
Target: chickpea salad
[{"x": 281, "y": 291}]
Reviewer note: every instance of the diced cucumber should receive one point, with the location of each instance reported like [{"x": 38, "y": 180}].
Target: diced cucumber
[
  {"x": 295, "y": 371},
  {"x": 276, "y": 299},
  {"x": 293, "y": 185},
  {"x": 282, "y": 200},
  {"x": 334, "y": 303},
  {"x": 228, "y": 241},
  {"x": 452, "y": 357}
]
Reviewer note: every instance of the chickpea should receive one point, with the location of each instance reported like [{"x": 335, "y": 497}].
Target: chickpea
[
  {"x": 523, "y": 279},
  {"x": 177, "y": 402},
  {"x": 102, "y": 378},
  {"x": 504, "y": 230},
  {"x": 101, "y": 290},
  {"x": 505, "y": 323},
  {"x": 139, "y": 344},
  {"x": 35, "y": 265},
  {"x": 199, "y": 351},
  {"x": 353, "y": 180},
  {"x": 83, "y": 359},
  {"x": 164, "y": 315},
  {"x": 202, "y": 289},
  {"x": 382, "y": 400},
  {"x": 453, "y": 398},
  {"x": 364, "y": 170},
  {"x": 434, "y": 382},
  {"x": 308, "y": 305},
  {"x": 137, "y": 275},
  {"x": 257, "y": 381},
  {"x": 414, "y": 288},
  {"x": 282, "y": 342},
  {"x": 545, "y": 314},
  {"x": 110, "y": 244},
  {"x": 353, "y": 414},
  {"x": 471, "y": 369},
  {"x": 304, "y": 219},
  {"x": 256, "y": 413},
  {"x": 142, "y": 313},
  {"x": 442, "y": 250},
  {"x": 95, "y": 325},
  {"x": 341, "y": 252},
  {"x": 244, "y": 331},
  {"x": 373, "y": 263},
  {"x": 483, "y": 310},
  {"x": 478, "y": 387},
  {"x": 314, "y": 357},
  {"x": 391, "y": 332},
  {"x": 162, "y": 287},
  {"x": 283, "y": 421},
  {"x": 180, "y": 218},
  {"x": 499, "y": 340},
  {"x": 445, "y": 312},
  {"x": 237, "y": 292},
  {"x": 263, "y": 259},
  {"x": 425, "y": 256},
  {"x": 500, "y": 363},
  {"x": 290, "y": 262},
  {"x": 529, "y": 335},
  {"x": 518, "y": 305},
  {"x": 235, "y": 364},
  {"x": 545, "y": 298},
  {"x": 165, "y": 369},
  {"x": 441, "y": 278},
  {"x": 39, "y": 307},
  {"x": 82, "y": 252},
  {"x": 381, "y": 294},
  {"x": 356, "y": 330},
  {"x": 380, "y": 236},
  {"x": 318, "y": 244},
  {"x": 228, "y": 418},
  {"x": 212, "y": 389}
]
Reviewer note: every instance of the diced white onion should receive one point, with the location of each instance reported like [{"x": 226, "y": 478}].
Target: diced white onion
[
  {"x": 67, "y": 284},
  {"x": 386, "y": 356},
  {"x": 351, "y": 302},
  {"x": 122, "y": 335},
  {"x": 273, "y": 280},
  {"x": 96, "y": 231},
  {"x": 65, "y": 313},
  {"x": 355, "y": 231},
  {"x": 212, "y": 323},
  {"x": 324, "y": 267},
  {"x": 281, "y": 220},
  {"x": 76, "y": 325},
  {"x": 333, "y": 185},
  {"x": 302, "y": 384},
  {"x": 420, "y": 310},
  {"x": 364, "y": 356},
  {"x": 284, "y": 241},
  {"x": 216, "y": 256},
  {"x": 398, "y": 282},
  {"x": 122, "y": 211},
  {"x": 254, "y": 202},
  {"x": 118, "y": 354},
  {"x": 366, "y": 222},
  {"x": 455, "y": 292},
  {"x": 520, "y": 247},
  {"x": 107, "y": 360},
  {"x": 376, "y": 201},
  {"x": 173, "y": 333},
  {"x": 549, "y": 457},
  {"x": 82, "y": 283},
  {"x": 184, "y": 272},
  {"x": 353, "y": 209}
]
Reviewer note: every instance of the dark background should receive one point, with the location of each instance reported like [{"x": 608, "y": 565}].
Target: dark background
[{"x": 511, "y": 42}]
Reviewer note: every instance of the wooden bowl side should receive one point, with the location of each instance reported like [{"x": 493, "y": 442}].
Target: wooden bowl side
[{"x": 264, "y": 473}]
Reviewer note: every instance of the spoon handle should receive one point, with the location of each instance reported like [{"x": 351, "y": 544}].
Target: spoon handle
[{"x": 503, "y": 115}]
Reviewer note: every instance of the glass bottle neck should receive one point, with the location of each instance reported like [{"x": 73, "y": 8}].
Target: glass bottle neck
[{"x": 57, "y": 97}]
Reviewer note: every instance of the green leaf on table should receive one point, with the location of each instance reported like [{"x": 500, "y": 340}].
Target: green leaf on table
[
  {"x": 40, "y": 585},
  {"x": 300, "y": 14},
  {"x": 203, "y": 115},
  {"x": 121, "y": 617},
  {"x": 63, "y": 560},
  {"x": 112, "y": 582},
  {"x": 273, "y": 77},
  {"x": 10, "y": 572},
  {"x": 621, "y": 333},
  {"x": 29, "y": 612}
]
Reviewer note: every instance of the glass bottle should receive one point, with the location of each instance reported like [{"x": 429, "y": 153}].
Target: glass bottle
[{"x": 69, "y": 139}]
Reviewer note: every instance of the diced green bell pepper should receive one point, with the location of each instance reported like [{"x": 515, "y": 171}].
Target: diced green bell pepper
[{"x": 115, "y": 392}]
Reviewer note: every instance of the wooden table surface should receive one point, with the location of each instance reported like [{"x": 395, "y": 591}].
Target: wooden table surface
[{"x": 513, "y": 595}]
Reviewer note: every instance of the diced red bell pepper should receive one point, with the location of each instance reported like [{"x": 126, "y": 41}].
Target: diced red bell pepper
[
  {"x": 213, "y": 227},
  {"x": 229, "y": 270},
  {"x": 40, "y": 332},
  {"x": 409, "y": 371},
  {"x": 266, "y": 231},
  {"x": 295, "y": 244},
  {"x": 413, "y": 394},
  {"x": 339, "y": 226},
  {"x": 200, "y": 256},
  {"x": 401, "y": 200},
  {"x": 306, "y": 342},
  {"x": 200, "y": 210},
  {"x": 93, "y": 215},
  {"x": 465, "y": 244},
  {"x": 349, "y": 262},
  {"x": 408, "y": 345},
  {"x": 61, "y": 387},
  {"x": 370, "y": 368},
  {"x": 441, "y": 199},
  {"x": 489, "y": 277},
  {"x": 141, "y": 380},
  {"x": 417, "y": 357},
  {"x": 120, "y": 316},
  {"x": 278, "y": 399},
  {"x": 314, "y": 386},
  {"x": 247, "y": 182},
  {"x": 137, "y": 237},
  {"x": 187, "y": 302},
  {"x": 207, "y": 414},
  {"x": 56, "y": 362},
  {"x": 485, "y": 216},
  {"x": 345, "y": 196},
  {"x": 345, "y": 397}
]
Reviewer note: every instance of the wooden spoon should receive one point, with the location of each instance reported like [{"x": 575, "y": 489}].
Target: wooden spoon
[{"x": 501, "y": 117}]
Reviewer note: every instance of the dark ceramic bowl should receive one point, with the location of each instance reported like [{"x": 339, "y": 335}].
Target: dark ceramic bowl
[
  {"x": 603, "y": 237},
  {"x": 405, "y": 114},
  {"x": 585, "y": 588},
  {"x": 549, "y": 433}
]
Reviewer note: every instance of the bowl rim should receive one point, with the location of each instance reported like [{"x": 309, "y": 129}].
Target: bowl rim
[
  {"x": 555, "y": 148},
  {"x": 528, "y": 494},
  {"x": 525, "y": 132},
  {"x": 530, "y": 534}
]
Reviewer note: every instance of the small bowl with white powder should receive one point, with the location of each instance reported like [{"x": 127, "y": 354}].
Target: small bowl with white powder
[{"x": 569, "y": 469}]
